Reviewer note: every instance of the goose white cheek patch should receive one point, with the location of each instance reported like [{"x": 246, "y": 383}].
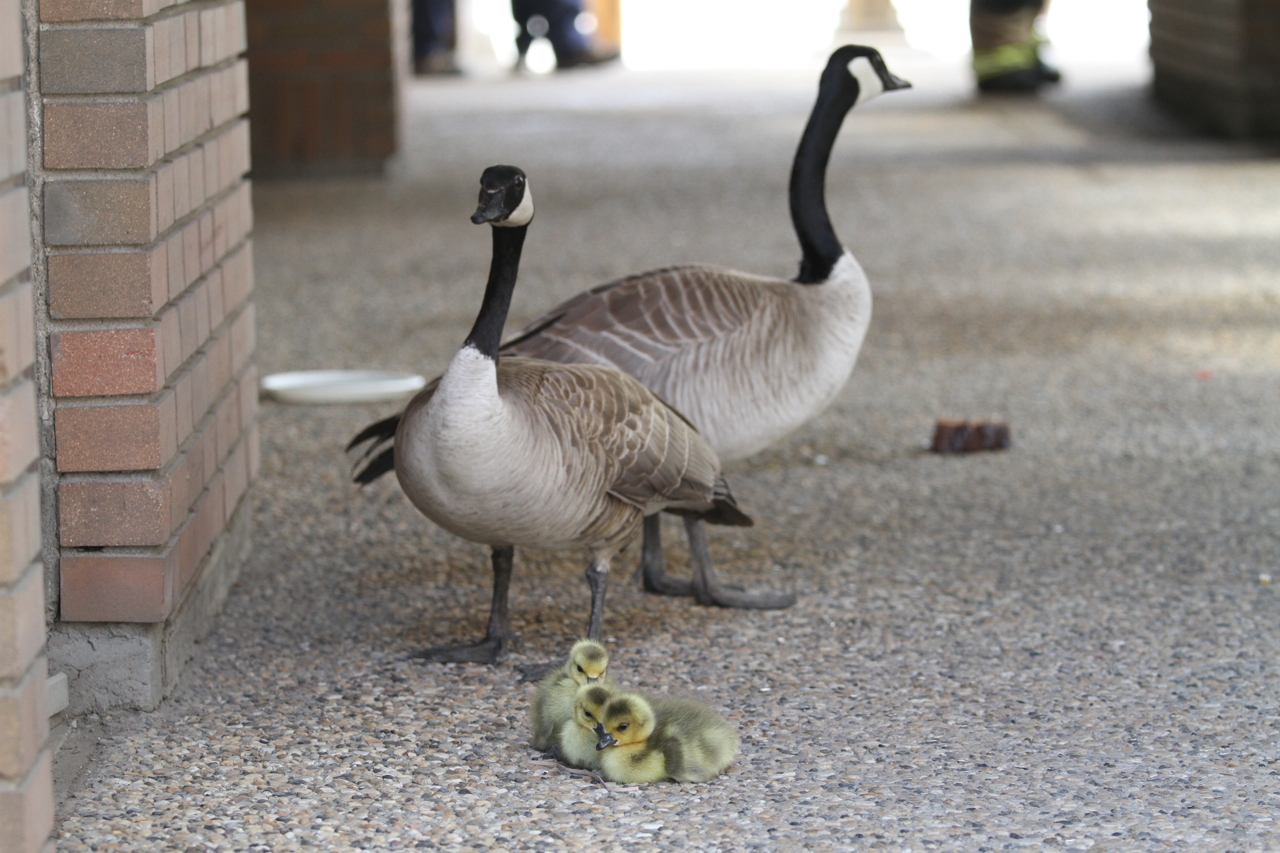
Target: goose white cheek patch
[
  {"x": 869, "y": 82},
  {"x": 523, "y": 214}
]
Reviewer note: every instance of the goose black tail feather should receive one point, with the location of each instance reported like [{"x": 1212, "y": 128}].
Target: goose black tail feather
[
  {"x": 379, "y": 457},
  {"x": 375, "y": 467},
  {"x": 724, "y": 509}
]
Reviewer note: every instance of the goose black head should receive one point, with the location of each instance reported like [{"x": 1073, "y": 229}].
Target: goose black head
[
  {"x": 861, "y": 69},
  {"x": 505, "y": 199}
]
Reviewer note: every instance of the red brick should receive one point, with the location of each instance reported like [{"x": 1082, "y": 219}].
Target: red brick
[
  {"x": 255, "y": 452},
  {"x": 176, "y": 264},
  {"x": 17, "y": 331},
  {"x": 109, "y": 513},
  {"x": 207, "y": 258},
  {"x": 217, "y": 310},
  {"x": 188, "y": 552},
  {"x": 242, "y": 86},
  {"x": 237, "y": 278},
  {"x": 181, "y": 187},
  {"x": 84, "y": 212},
  {"x": 187, "y": 323},
  {"x": 195, "y": 166},
  {"x": 104, "y": 363},
  {"x": 108, "y": 284},
  {"x": 19, "y": 528},
  {"x": 110, "y": 587},
  {"x": 117, "y": 135},
  {"x": 173, "y": 119},
  {"x": 134, "y": 437},
  {"x": 219, "y": 359},
  {"x": 248, "y": 397},
  {"x": 243, "y": 338},
  {"x": 21, "y": 623},
  {"x": 52, "y": 11},
  {"x": 200, "y": 295},
  {"x": 228, "y": 424},
  {"x": 24, "y": 719},
  {"x": 201, "y": 395},
  {"x": 211, "y": 186},
  {"x": 192, "y": 22},
  {"x": 19, "y": 444},
  {"x": 166, "y": 209},
  {"x": 182, "y": 393},
  {"x": 236, "y": 471},
  {"x": 97, "y": 60},
  {"x": 169, "y": 330},
  {"x": 191, "y": 252},
  {"x": 26, "y": 810}
]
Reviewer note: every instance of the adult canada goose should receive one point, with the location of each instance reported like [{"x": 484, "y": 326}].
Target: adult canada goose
[
  {"x": 747, "y": 359},
  {"x": 518, "y": 451},
  {"x": 647, "y": 740},
  {"x": 553, "y": 703},
  {"x": 578, "y": 739}
]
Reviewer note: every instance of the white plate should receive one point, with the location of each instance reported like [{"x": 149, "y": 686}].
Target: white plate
[{"x": 341, "y": 386}]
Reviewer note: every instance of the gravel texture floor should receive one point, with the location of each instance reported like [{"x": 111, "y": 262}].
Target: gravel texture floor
[{"x": 1071, "y": 645}]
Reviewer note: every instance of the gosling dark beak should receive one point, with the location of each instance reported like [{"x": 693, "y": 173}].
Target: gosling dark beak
[
  {"x": 606, "y": 739},
  {"x": 591, "y": 680},
  {"x": 489, "y": 209},
  {"x": 892, "y": 81}
]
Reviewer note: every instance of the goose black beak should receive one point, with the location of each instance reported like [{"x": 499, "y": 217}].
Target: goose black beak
[
  {"x": 489, "y": 209},
  {"x": 606, "y": 739},
  {"x": 892, "y": 82}
]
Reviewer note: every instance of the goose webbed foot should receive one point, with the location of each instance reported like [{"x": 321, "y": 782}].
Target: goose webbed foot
[
  {"x": 498, "y": 637},
  {"x": 653, "y": 571},
  {"x": 708, "y": 591},
  {"x": 488, "y": 651}
]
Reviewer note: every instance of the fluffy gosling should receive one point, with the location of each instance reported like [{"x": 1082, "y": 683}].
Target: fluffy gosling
[
  {"x": 643, "y": 740},
  {"x": 577, "y": 744},
  {"x": 553, "y": 703}
]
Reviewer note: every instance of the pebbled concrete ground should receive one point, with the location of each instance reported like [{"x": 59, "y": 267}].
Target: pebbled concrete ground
[{"x": 1071, "y": 645}]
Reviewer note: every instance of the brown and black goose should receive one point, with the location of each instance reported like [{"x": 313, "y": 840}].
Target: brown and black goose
[
  {"x": 747, "y": 359},
  {"x": 509, "y": 451}
]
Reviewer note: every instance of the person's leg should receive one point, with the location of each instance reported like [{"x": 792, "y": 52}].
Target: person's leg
[{"x": 1006, "y": 55}]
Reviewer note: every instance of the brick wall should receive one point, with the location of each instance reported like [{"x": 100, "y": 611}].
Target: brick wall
[
  {"x": 1217, "y": 62},
  {"x": 326, "y": 79},
  {"x": 26, "y": 781},
  {"x": 146, "y": 326}
]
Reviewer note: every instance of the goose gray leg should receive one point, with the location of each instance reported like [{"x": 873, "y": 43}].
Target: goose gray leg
[
  {"x": 498, "y": 637},
  {"x": 653, "y": 571},
  {"x": 708, "y": 591},
  {"x": 598, "y": 578}
]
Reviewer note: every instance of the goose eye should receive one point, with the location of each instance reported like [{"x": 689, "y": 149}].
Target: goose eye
[
  {"x": 581, "y": 670},
  {"x": 623, "y": 727},
  {"x": 588, "y": 715}
]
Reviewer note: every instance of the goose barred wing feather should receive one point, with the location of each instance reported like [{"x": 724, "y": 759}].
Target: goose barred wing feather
[
  {"x": 636, "y": 323},
  {"x": 647, "y": 454}
]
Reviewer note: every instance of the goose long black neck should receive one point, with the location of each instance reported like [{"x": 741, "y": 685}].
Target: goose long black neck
[
  {"x": 486, "y": 334},
  {"x": 818, "y": 242}
]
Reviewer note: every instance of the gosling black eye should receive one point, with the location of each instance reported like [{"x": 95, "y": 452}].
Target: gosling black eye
[
  {"x": 581, "y": 670},
  {"x": 623, "y": 727},
  {"x": 588, "y": 715}
]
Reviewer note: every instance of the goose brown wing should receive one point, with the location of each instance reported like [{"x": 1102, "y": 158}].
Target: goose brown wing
[
  {"x": 637, "y": 322},
  {"x": 642, "y": 451}
]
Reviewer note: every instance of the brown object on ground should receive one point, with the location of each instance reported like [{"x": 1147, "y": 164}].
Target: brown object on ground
[{"x": 957, "y": 436}]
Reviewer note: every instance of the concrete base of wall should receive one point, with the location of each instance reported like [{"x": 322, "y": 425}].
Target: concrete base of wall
[{"x": 134, "y": 666}]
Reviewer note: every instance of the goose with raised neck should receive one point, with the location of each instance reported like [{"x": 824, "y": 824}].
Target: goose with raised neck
[
  {"x": 748, "y": 359},
  {"x": 510, "y": 451}
]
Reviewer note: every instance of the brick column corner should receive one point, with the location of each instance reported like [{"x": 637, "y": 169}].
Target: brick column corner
[{"x": 143, "y": 276}]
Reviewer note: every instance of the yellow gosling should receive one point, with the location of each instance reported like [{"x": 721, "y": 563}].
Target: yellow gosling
[
  {"x": 649, "y": 740},
  {"x": 580, "y": 736},
  {"x": 553, "y": 703}
]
